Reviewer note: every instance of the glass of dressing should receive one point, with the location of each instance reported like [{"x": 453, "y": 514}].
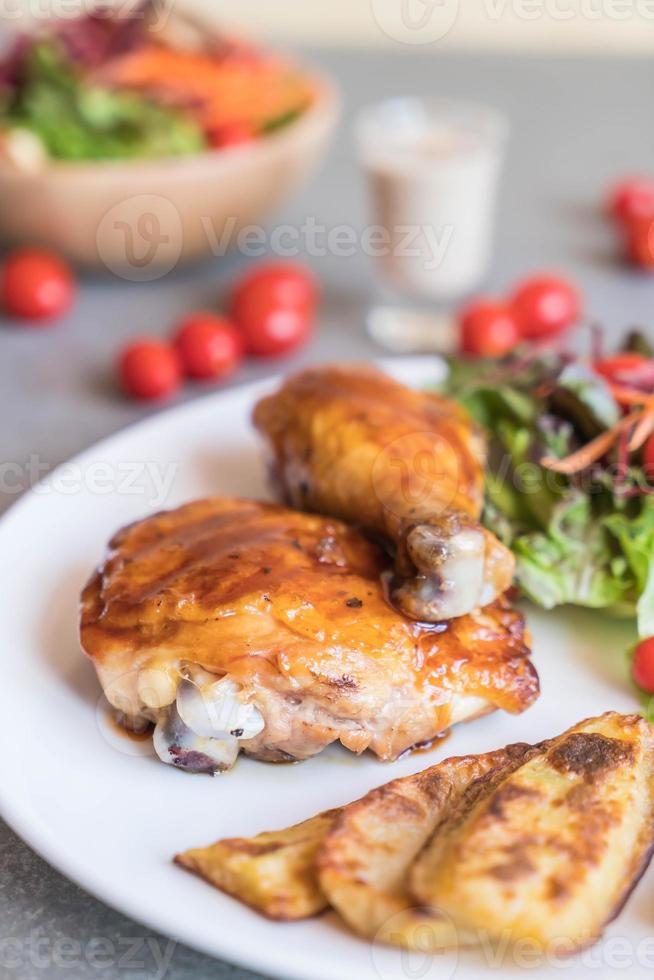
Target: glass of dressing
[{"x": 432, "y": 168}]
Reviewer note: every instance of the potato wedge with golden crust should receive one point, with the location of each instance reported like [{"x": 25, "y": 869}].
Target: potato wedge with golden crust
[
  {"x": 364, "y": 861},
  {"x": 273, "y": 872},
  {"x": 551, "y": 855},
  {"x": 541, "y": 842}
]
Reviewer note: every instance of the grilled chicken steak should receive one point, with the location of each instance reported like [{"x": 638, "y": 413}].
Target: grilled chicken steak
[
  {"x": 238, "y": 625},
  {"x": 405, "y": 465}
]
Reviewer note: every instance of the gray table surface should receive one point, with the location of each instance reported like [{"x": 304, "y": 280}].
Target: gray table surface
[{"x": 576, "y": 124}]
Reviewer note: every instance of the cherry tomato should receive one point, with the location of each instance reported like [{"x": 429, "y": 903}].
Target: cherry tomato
[
  {"x": 487, "y": 329},
  {"x": 632, "y": 198},
  {"x": 287, "y": 284},
  {"x": 621, "y": 367},
  {"x": 544, "y": 306},
  {"x": 643, "y": 665},
  {"x": 617, "y": 365},
  {"x": 149, "y": 368},
  {"x": 639, "y": 241},
  {"x": 36, "y": 285},
  {"x": 274, "y": 307},
  {"x": 276, "y": 330},
  {"x": 232, "y": 134},
  {"x": 208, "y": 346},
  {"x": 648, "y": 458}
]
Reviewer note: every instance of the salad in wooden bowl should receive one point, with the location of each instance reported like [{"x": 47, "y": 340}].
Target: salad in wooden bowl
[{"x": 99, "y": 111}]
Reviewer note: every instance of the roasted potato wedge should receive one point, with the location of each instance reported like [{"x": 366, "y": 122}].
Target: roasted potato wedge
[
  {"x": 273, "y": 872},
  {"x": 364, "y": 861},
  {"x": 540, "y": 842},
  {"x": 552, "y": 853}
]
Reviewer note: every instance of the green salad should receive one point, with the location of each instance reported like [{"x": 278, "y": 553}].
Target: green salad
[
  {"x": 76, "y": 121},
  {"x": 570, "y": 482},
  {"x": 110, "y": 86}
]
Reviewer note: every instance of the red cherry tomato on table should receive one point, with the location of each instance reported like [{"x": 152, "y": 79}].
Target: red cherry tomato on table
[
  {"x": 544, "y": 306},
  {"x": 149, "y": 368},
  {"x": 487, "y": 329},
  {"x": 36, "y": 285},
  {"x": 643, "y": 665},
  {"x": 274, "y": 307},
  {"x": 208, "y": 346},
  {"x": 632, "y": 198},
  {"x": 286, "y": 284},
  {"x": 639, "y": 241},
  {"x": 275, "y": 330}
]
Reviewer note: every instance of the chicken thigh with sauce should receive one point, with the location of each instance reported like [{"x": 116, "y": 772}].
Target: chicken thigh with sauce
[{"x": 235, "y": 625}]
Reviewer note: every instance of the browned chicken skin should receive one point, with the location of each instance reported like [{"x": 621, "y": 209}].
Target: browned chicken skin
[
  {"x": 405, "y": 465},
  {"x": 239, "y": 625}
]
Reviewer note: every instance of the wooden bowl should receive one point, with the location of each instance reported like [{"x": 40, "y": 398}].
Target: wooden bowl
[{"x": 140, "y": 219}]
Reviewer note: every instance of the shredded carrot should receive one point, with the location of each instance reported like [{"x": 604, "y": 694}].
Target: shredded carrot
[
  {"x": 643, "y": 430},
  {"x": 630, "y": 396},
  {"x": 593, "y": 450},
  {"x": 220, "y": 93}
]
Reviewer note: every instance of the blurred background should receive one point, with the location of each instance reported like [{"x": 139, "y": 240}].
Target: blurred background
[
  {"x": 566, "y": 87},
  {"x": 572, "y": 25},
  {"x": 580, "y": 26}
]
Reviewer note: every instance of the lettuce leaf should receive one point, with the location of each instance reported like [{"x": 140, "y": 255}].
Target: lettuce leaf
[
  {"x": 580, "y": 541},
  {"x": 572, "y": 561},
  {"x": 635, "y": 536},
  {"x": 75, "y": 121}
]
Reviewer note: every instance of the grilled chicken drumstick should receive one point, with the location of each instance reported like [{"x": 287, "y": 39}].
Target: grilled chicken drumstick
[
  {"x": 405, "y": 465},
  {"x": 235, "y": 625}
]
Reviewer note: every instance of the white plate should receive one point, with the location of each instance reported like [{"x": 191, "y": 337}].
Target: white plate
[{"x": 106, "y": 813}]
